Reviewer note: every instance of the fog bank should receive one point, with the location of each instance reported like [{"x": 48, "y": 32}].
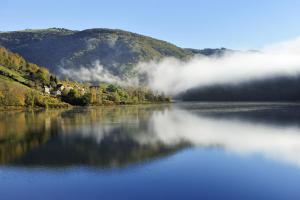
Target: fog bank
[{"x": 173, "y": 76}]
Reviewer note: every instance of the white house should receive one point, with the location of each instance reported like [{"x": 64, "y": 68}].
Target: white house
[{"x": 47, "y": 89}]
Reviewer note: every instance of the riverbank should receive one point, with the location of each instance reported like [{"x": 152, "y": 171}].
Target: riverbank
[{"x": 68, "y": 106}]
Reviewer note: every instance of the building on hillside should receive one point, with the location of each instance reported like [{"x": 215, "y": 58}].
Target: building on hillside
[
  {"x": 60, "y": 87},
  {"x": 47, "y": 89}
]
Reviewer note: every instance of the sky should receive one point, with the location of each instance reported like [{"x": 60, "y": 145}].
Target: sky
[{"x": 235, "y": 24}]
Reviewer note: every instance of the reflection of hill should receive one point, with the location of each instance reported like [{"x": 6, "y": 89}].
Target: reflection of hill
[
  {"x": 96, "y": 136},
  {"x": 118, "y": 136},
  {"x": 114, "y": 150}
]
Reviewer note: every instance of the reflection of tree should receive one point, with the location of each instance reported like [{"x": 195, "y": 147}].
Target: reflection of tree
[
  {"x": 94, "y": 136},
  {"x": 22, "y": 131},
  {"x": 117, "y": 136}
]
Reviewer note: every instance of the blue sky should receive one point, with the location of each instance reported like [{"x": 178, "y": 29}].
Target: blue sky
[{"x": 237, "y": 24}]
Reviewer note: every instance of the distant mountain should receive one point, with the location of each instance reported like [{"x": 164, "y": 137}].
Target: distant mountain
[
  {"x": 284, "y": 88},
  {"x": 116, "y": 50}
]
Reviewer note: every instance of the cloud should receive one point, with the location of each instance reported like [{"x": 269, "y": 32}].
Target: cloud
[
  {"x": 173, "y": 76},
  {"x": 95, "y": 73}
]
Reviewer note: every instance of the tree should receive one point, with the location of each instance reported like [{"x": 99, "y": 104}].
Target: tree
[
  {"x": 111, "y": 88},
  {"x": 85, "y": 99},
  {"x": 74, "y": 98},
  {"x": 30, "y": 98},
  {"x": 1, "y": 95},
  {"x": 43, "y": 75}
]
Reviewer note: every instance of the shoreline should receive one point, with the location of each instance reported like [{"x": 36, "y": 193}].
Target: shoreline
[{"x": 28, "y": 108}]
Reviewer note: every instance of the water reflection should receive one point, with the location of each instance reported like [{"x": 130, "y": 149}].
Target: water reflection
[{"x": 117, "y": 136}]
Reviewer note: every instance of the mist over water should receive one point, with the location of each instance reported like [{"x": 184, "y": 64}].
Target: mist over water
[
  {"x": 234, "y": 135},
  {"x": 173, "y": 76}
]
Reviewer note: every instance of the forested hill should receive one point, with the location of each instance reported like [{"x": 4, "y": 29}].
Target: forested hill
[
  {"x": 118, "y": 51},
  {"x": 26, "y": 84},
  {"x": 22, "y": 82}
]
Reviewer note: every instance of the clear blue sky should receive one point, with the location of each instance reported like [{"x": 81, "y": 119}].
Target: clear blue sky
[{"x": 238, "y": 24}]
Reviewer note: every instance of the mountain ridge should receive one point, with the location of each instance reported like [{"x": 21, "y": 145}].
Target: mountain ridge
[{"x": 117, "y": 50}]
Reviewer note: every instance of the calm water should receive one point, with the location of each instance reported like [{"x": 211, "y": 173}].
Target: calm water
[{"x": 180, "y": 151}]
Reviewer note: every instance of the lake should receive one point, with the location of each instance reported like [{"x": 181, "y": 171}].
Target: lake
[{"x": 177, "y": 151}]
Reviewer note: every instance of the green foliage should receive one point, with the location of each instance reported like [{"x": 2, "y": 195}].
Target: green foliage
[
  {"x": 73, "y": 97},
  {"x": 85, "y": 99},
  {"x": 43, "y": 75},
  {"x": 17, "y": 68},
  {"x": 30, "y": 98},
  {"x": 16, "y": 94},
  {"x": 13, "y": 75},
  {"x": 114, "y": 94},
  {"x": 21, "y": 82},
  {"x": 111, "y": 88}
]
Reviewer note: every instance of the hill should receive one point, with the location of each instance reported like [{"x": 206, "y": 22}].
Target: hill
[
  {"x": 22, "y": 82},
  {"x": 116, "y": 50},
  {"x": 26, "y": 84}
]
